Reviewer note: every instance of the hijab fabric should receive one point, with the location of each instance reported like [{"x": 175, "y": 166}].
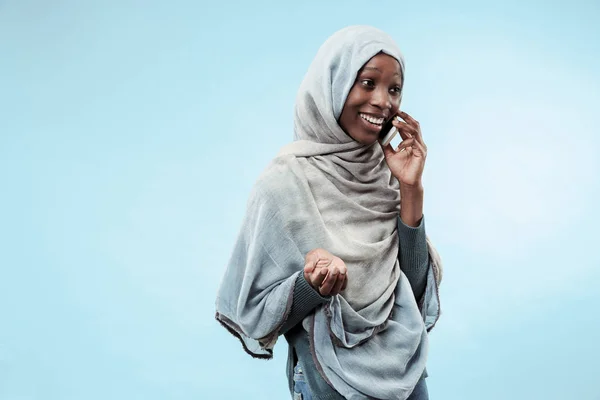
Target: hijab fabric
[{"x": 325, "y": 190}]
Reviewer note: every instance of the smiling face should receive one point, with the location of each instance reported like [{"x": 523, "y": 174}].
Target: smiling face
[{"x": 373, "y": 99}]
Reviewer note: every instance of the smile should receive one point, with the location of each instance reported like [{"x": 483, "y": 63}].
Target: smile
[{"x": 375, "y": 121}]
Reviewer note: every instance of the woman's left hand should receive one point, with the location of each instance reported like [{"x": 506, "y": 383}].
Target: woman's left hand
[{"x": 407, "y": 161}]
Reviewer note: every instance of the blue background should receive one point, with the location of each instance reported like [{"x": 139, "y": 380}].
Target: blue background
[{"x": 132, "y": 131}]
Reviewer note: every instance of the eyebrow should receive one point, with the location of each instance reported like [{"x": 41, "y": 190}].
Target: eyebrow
[{"x": 378, "y": 70}]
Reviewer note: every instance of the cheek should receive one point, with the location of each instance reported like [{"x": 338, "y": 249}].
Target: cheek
[
  {"x": 354, "y": 97},
  {"x": 349, "y": 110},
  {"x": 396, "y": 106},
  {"x": 343, "y": 120}
]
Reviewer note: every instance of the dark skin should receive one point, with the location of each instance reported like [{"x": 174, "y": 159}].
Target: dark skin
[{"x": 373, "y": 99}]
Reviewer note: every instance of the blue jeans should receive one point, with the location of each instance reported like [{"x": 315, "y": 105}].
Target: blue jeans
[{"x": 302, "y": 391}]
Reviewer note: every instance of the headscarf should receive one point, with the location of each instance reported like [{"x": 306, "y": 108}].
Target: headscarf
[{"x": 325, "y": 190}]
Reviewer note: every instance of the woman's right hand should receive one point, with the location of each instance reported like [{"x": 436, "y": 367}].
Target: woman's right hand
[{"x": 325, "y": 272}]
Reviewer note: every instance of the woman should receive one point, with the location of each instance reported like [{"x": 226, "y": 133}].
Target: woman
[{"x": 332, "y": 251}]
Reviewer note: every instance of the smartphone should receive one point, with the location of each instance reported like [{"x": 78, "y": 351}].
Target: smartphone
[{"x": 388, "y": 131}]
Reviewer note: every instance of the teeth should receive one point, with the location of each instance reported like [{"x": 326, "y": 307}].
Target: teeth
[{"x": 375, "y": 121}]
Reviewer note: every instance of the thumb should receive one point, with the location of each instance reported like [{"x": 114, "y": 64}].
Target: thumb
[{"x": 310, "y": 262}]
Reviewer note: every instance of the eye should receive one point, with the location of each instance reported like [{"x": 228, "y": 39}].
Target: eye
[
  {"x": 367, "y": 82},
  {"x": 396, "y": 90}
]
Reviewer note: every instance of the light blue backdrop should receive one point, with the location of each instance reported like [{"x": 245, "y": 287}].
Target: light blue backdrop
[{"x": 132, "y": 131}]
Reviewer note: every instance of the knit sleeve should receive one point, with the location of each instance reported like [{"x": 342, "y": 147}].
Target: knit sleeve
[
  {"x": 305, "y": 300},
  {"x": 413, "y": 255}
]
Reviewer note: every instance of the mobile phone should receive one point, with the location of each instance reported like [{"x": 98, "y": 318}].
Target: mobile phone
[{"x": 388, "y": 131}]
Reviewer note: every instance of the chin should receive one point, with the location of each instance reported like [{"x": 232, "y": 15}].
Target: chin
[{"x": 365, "y": 138}]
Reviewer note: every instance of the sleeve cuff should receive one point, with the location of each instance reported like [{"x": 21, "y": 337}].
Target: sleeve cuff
[
  {"x": 413, "y": 244},
  {"x": 304, "y": 301},
  {"x": 414, "y": 255},
  {"x": 306, "y": 296}
]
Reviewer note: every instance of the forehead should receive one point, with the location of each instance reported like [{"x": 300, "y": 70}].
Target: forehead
[{"x": 383, "y": 64}]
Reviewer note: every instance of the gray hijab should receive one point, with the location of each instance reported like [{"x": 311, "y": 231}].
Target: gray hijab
[{"x": 326, "y": 190}]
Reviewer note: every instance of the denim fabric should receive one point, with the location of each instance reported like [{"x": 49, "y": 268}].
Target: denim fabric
[
  {"x": 302, "y": 391},
  {"x": 299, "y": 355},
  {"x": 305, "y": 382}
]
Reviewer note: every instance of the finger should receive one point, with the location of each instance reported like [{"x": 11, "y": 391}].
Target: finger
[
  {"x": 318, "y": 276},
  {"x": 419, "y": 150},
  {"x": 404, "y": 133},
  {"x": 329, "y": 282},
  {"x": 389, "y": 151},
  {"x": 405, "y": 130},
  {"x": 307, "y": 274},
  {"x": 415, "y": 125},
  {"x": 338, "y": 284},
  {"x": 344, "y": 275},
  {"x": 310, "y": 262},
  {"x": 405, "y": 125},
  {"x": 326, "y": 287},
  {"x": 308, "y": 268},
  {"x": 323, "y": 261},
  {"x": 316, "y": 258},
  {"x": 405, "y": 144},
  {"x": 332, "y": 276},
  {"x": 342, "y": 267},
  {"x": 409, "y": 120},
  {"x": 417, "y": 134}
]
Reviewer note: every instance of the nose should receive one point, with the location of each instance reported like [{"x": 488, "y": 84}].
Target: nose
[{"x": 381, "y": 98}]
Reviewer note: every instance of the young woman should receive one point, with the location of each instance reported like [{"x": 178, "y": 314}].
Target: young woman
[{"x": 332, "y": 252}]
